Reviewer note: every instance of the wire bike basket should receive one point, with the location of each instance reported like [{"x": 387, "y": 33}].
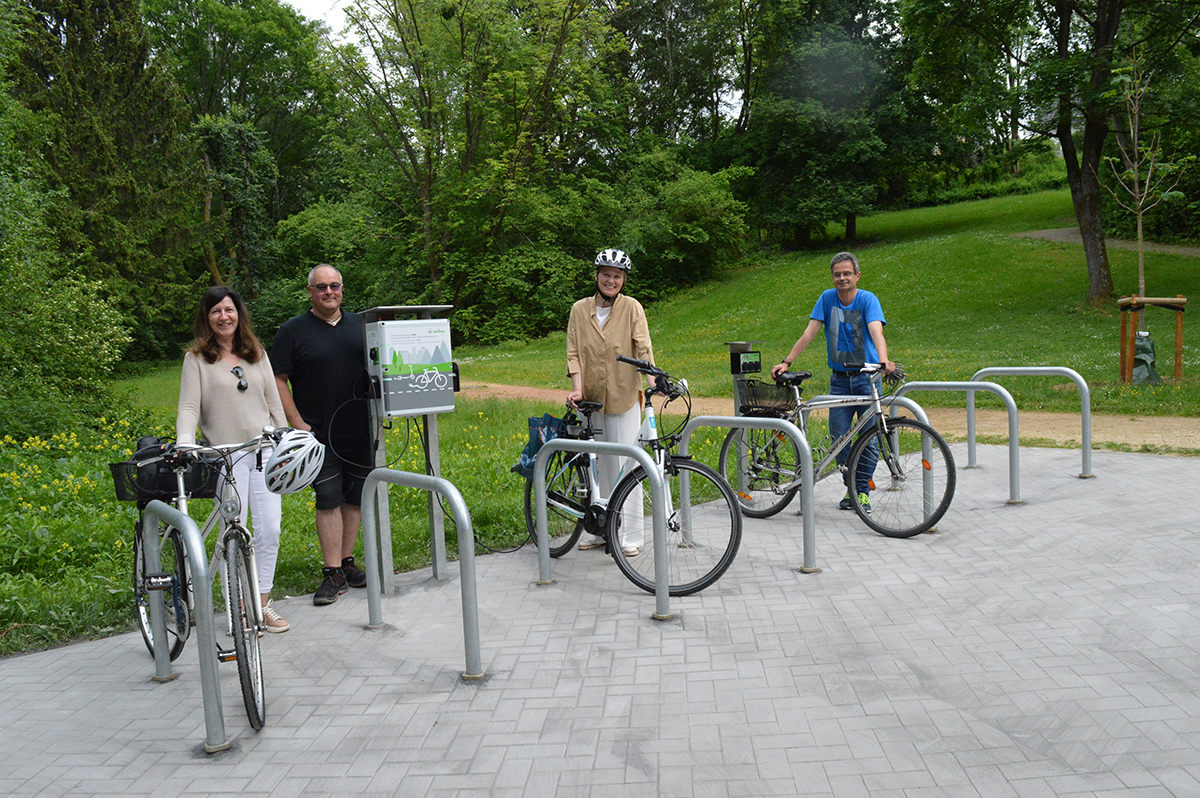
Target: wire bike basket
[{"x": 766, "y": 398}]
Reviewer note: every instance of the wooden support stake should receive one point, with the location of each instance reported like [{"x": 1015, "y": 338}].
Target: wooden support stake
[
  {"x": 1179, "y": 342},
  {"x": 1121, "y": 346}
]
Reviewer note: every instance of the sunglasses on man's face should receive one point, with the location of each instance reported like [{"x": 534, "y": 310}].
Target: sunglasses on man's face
[
  {"x": 321, "y": 288},
  {"x": 241, "y": 375}
]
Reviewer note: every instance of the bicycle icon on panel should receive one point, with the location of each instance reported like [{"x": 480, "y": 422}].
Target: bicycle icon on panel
[{"x": 430, "y": 378}]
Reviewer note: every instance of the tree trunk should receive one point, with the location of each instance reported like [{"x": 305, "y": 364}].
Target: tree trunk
[
  {"x": 851, "y": 225},
  {"x": 1083, "y": 165}
]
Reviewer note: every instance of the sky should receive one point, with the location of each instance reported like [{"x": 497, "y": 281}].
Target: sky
[{"x": 328, "y": 10}]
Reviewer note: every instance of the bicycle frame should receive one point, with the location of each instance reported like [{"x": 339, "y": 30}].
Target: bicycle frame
[
  {"x": 799, "y": 417},
  {"x": 226, "y": 508}
]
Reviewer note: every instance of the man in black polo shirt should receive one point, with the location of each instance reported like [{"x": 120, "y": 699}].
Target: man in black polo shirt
[{"x": 321, "y": 353}]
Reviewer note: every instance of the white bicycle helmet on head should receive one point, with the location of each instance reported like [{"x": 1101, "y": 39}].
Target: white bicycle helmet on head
[
  {"x": 295, "y": 463},
  {"x": 614, "y": 258}
]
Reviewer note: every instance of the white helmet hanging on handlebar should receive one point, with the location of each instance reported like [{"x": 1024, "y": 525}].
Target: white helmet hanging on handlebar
[{"x": 295, "y": 463}]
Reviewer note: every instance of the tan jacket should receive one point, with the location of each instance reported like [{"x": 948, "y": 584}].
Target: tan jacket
[{"x": 593, "y": 352}]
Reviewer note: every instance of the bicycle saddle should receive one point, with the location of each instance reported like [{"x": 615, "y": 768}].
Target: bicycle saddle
[
  {"x": 589, "y": 407},
  {"x": 792, "y": 378}
]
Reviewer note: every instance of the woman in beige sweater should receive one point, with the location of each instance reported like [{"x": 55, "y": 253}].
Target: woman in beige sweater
[{"x": 229, "y": 391}]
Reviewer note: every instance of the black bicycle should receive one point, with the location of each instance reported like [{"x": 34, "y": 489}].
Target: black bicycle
[{"x": 704, "y": 524}]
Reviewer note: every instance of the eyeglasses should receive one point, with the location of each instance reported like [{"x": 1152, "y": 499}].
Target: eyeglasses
[
  {"x": 241, "y": 375},
  {"x": 321, "y": 288}
]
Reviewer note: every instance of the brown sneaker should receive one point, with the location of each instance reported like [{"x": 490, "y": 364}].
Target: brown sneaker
[{"x": 272, "y": 622}]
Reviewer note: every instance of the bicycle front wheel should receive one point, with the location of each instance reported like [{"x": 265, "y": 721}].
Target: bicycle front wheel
[
  {"x": 567, "y": 494},
  {"x": 238, "y": 562},
  {"x": 758, "y": 463},
  {"x": 174, "y": 598},
  {"x": 912, "y": 480},
  {"x": 704, "y": 527}
]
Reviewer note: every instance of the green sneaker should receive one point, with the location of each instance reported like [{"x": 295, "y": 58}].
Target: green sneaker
[
  {"x": 864, "y": 501},
  {"x": 845, "y": 503}
]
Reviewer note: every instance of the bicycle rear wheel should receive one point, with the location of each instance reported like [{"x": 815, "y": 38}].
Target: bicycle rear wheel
[
  {"x": 757, "y": 466},
  {"x": 910, "y": 488},
  {"x": 567, "y": 491},
  {"x": 174, "y": 599},
  {"x": 238, "y": 562},
  {"x": 702, "y": 537}
]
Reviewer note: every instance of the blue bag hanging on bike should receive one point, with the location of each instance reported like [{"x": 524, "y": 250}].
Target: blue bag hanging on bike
[{"x": 543, "y": 429}]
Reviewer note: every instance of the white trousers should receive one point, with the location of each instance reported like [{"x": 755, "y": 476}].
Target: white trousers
[
  {"x": 265, "y": 508},
  {"x": 622, "y": 428}
]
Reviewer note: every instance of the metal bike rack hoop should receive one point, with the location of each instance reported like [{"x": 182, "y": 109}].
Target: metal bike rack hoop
[
  {"x": 1014, "y": 437},
  {"x": 806, "y": 467},
  {"x": 1085, "y": 406},
  {"x": 662, "y": 600},
  {"x": 466, "y": 554},
  {"x": 210, "y": 683}
]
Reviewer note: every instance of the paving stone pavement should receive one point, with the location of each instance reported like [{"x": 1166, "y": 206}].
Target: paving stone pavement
[{"x": 1042, "y": 649}]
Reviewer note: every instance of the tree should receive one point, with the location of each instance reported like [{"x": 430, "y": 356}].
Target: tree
[
  {"x": 463, "y": 105},
  {"x": 58, "y": 340},
  {"x": 1066, "y": 60},
  {"x": 263, "y": 57},
  {"x": 1144, "y": 176},
  {"x": 117, "y": 165},
  {"x": 239, "y": 176}
]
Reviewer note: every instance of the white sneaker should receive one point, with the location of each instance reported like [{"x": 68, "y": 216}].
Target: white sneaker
[
  {"x": 272, "y": 622},
  {"x": 631, "y": 551}
]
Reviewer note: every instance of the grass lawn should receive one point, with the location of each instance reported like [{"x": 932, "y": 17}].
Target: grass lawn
[{"x": 960, "y": 293}]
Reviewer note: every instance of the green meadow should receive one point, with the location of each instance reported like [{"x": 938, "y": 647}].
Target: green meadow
[{"x": 960, "y": 290}]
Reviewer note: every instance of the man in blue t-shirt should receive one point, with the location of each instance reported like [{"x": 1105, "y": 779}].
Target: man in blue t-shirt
[{"x": 853, "y": 321}]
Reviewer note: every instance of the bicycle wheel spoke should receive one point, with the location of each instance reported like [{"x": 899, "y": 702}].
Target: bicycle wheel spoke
[
  {"x": 174, "y": 600},
  {"x": 703, "y": 527},
  {"x": 238, "y": 562},
  {"x": 566, "y": 500},
  {"x": 758, "y": 464},
  {"x": 912, "y": 478}
]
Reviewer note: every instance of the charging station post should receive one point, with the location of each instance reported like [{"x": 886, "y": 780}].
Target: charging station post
[{"x": 411, "y": 374}]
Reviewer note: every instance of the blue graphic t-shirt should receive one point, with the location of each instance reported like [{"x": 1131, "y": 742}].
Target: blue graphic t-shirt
[{"x": 846, "y": 337}]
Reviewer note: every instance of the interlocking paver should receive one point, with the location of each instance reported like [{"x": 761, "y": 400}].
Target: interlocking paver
[{"x": 1047, "y": 648}]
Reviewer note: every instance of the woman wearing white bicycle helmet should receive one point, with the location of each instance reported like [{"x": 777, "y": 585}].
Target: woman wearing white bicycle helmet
[
  {"x": 606, "y": 324},
  {"x": 229, "y": 391}
]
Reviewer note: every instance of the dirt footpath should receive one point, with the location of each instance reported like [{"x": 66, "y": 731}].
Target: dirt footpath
[{"x": 1061, "y": 428}]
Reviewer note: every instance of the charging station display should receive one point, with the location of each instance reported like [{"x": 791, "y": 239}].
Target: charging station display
[{"x": 410, "y": 361}]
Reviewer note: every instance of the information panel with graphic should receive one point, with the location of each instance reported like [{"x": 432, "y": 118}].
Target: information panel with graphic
[{"x": 412, "y": 361}]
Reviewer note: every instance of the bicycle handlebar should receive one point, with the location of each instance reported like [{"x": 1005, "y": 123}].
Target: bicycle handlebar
[
  {"x": 668, "y": 387},
  {"x": 178, "y": 455}
]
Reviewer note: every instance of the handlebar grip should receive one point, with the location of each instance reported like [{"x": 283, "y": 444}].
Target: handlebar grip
[{"x": 638, "y": 364}]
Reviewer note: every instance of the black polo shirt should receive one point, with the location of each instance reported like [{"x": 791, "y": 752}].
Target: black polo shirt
[{"x": 325, "y": 363}]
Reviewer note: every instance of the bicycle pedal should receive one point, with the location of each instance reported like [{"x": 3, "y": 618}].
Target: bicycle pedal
[
  {"x": 226, "y": 656},
  {"x": 160, "y": 581}
]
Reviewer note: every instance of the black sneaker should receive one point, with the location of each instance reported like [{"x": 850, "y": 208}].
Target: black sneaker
[
  {"x": 356, "y": 576},
  {"x": 332, "y": 586}
]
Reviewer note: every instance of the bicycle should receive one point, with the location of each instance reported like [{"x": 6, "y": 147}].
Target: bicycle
[
  {"x": 702, "y": 536},
  {"x": 913, "y": 479},
  {"x": 431, "y": 377},
  {"x": 176, "y": 473}
]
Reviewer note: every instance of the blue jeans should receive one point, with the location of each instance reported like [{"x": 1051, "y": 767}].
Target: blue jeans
[{"x": 842, "y": 418}]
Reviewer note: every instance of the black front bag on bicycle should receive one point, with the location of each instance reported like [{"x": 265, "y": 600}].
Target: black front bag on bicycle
[{"x": 157, "y": 480}]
